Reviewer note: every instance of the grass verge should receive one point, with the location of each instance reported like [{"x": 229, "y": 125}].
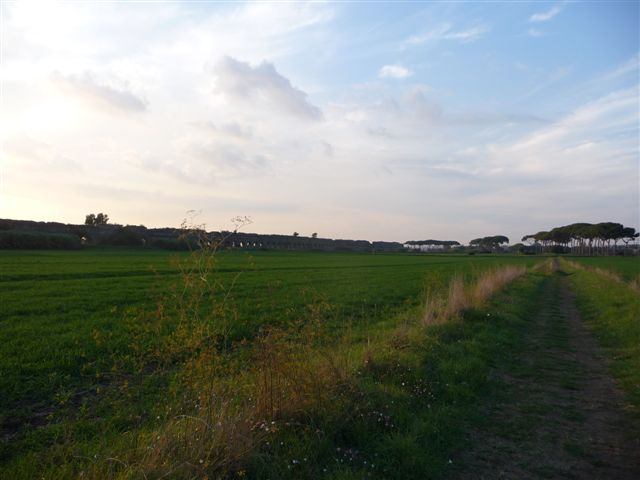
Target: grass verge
[{"x": 611, "y": 309}]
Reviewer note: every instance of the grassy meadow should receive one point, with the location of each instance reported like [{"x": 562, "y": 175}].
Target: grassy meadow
[{"x": 134, "y": 363}]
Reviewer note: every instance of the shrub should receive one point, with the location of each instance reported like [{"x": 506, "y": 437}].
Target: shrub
[
  {"x": 35, "y": 240},
  {"x": 6, "y": 225},
  {"x": 124, "y": 237},
  {"x": 169, "y": 244}
]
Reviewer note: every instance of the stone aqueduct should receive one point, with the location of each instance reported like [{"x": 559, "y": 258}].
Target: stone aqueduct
[{"x": 290, "y": 242}]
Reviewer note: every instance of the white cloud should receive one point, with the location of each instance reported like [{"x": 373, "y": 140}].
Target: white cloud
[
  {"x": 380, "y": 132},
  {"x": 228, "y": 129},
  {"x": 264, "y": 84},
  {"x": 394, "y": 71},
  {"x": 550, "y": 79},
  {"x": 595, "y": 139},
  {"x": 445, "y": 31},
  {"x": 225, "y": 159},
  {"x": 37, "y": 154},
  {"x": 533, "y": 32},
  {"x": 546, "y": 16},
  {"x": 628, "y": 69},
  {"x": 597, "y": 119},
  {"x": 101, "y": 95}
]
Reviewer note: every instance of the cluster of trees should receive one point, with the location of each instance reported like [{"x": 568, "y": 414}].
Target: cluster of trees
[
  {"x": 583, "y": 238},
  {"x": 96, "y": 219},
  {"x": 489, "y": 243}
]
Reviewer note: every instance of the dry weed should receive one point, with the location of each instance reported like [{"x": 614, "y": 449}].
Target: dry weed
[
  {"x": 457, "y": 300},
  {"x": 292, "y": 378},
  {"x": 433, "y": 307},
  {"x": 491, "y": 282},
  {"x": 461, "y": 297},
  {"x": 214, "y": 440}
]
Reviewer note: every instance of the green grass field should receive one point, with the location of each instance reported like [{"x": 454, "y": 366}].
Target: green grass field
[
  {"x": 628, "y": 268},
  {"x": 105, "y": 352},
  {"x": 68, "y": 296}
]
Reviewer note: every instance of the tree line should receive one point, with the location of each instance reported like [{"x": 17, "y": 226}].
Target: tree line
[
  {"x": 494, "y": 243},
  {"x": 583, "y": 238}
]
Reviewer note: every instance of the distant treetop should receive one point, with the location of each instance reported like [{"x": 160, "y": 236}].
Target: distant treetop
[
  {"x": 490, "y": 242},
  {"x": 99, "y": 219}
]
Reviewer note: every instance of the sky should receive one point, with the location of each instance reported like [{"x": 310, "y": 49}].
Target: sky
[{"x": 380, "y": 121}]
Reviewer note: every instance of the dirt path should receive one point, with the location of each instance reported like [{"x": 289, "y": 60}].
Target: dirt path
[{"x": 560, "y": 414}]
